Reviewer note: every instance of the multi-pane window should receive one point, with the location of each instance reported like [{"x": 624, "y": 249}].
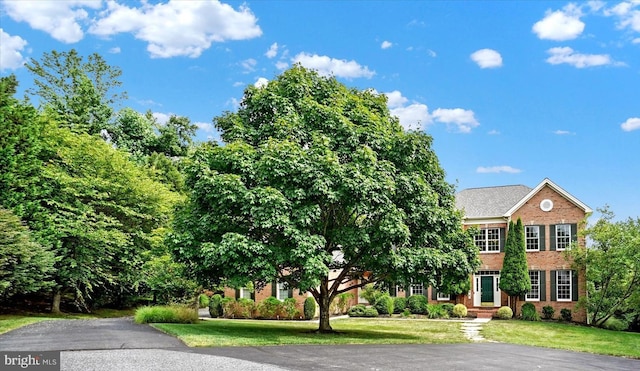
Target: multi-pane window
[
  {"x": 417, "y": 289},
  {"x": 488, "y": 239},
  {"x": 534, "y": 293},
  {"x": 245, "y": 293},
  {"x": 532, "y": 237},
  {"x": 283, "y": 291},
  {"x": 443, "y": 296},
  {"x": 563, "y": 285},
  {"x": 563, "y": 236}
]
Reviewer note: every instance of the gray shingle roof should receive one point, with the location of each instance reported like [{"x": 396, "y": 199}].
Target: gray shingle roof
[{"x": 490, "y": 201}]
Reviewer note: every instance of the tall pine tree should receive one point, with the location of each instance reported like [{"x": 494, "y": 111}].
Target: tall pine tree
[{"x": 514, "y": 277}]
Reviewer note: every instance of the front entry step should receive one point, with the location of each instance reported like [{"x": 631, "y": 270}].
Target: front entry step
[{"x": 482, "y": 312}]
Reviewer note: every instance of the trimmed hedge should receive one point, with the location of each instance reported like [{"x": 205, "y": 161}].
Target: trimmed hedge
[
  {"x": 360, "y": 310},
  {"x": 399, "y": 305},
  {"x": 504, "y": 313},
  {"x": 417, "y": 304},
  {"x": 548, "y": 312},
  {"x": 309, "y": 308},
  {"x": 383, "y": 304},
  {"x": 460, "y": 310},
  {"x": 215, "y": 306}
]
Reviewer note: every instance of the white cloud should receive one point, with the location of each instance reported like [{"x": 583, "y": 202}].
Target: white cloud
[
  {"x": 563, "y": 132},
  {"x": 493, "y": 132},
  {"x": 249, "y": 65},
  {"x": 636, "y": 40},
  {"x": 566, "y": 55},
  {"x": 238, "y": 83},
  {"x": 487, "y": 58},
  {"x": 60, "y": 19},
  {"x": 261, "y": 82},
  {"x": 273, "y": 51},
  {"x": 497, "y": 169},
  {"x": 11, "y": 47},
  {"x": 631, "y": 124},
  {"x": 178, "y": 28},
  {"x": 464, "y": 119},
  {"x": 281, "y": 65},
  {"x": 386, "y": 44},
  {"x": 560, "y": 25},
  {"x": 162, "y": 118},
  {"x": 395, "y": 99},
  {"x": 330, "y": 66},
  {"x": 628, "y": 14},
  {"x": 205, "y": 126},
  {"x": 115, "y": 50},
  {"x": 414, "y": 116},
  {"x": 431, "y": 53}
]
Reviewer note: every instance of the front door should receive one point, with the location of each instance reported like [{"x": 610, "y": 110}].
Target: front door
[{"x": 486, "y": 289}]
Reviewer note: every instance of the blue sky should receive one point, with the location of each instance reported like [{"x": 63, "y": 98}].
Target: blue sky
[{"x": 511, "y": 91}]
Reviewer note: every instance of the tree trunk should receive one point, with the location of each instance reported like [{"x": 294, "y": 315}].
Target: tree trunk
[
  {"x": 55, "y": 305},
  {"x": 324, "y": 300}
]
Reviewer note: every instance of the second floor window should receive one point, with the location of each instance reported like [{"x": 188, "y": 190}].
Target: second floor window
[
  {"x": 563, "y": 236},
  {"x": 532, "y": 237},
  {"x": 488, "y": 240}
]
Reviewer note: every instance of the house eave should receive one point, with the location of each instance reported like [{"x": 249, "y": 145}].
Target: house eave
[{"x": 547, "y": 182}]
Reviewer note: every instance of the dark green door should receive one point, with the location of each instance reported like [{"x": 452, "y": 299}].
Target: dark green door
[{"x": 486, "y": 288}]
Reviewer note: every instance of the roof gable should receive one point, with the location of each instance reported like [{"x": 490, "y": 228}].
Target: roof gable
[
  {"x": 503, "y": 201},
  {"x": 555, "y": 187}
]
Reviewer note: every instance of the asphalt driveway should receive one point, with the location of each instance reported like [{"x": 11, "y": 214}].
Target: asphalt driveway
[{"x": 120, "y": 344}]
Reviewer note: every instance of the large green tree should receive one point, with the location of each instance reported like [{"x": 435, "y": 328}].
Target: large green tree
[
  {"x": 316, "y": 178},
  {"x": 100, "y": 211},
  {"x": 25, "y": 265},
  {"x": 514, "y": 275},
  {"x": 80, "y": 93},
  {"x": 612, "y": 264}
]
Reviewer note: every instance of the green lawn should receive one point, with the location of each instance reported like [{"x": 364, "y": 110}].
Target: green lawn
[
  {"x": 349, "y": 331},
  {"x": 564, "y": 336},
  {"x": 10, "y": 322}
]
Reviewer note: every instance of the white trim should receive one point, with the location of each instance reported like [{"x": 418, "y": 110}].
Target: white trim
[
  {"x": 484, "y": 220},
  {"x": 245, "y": 293},
  {"x": 570, "y": 285},
  {"x": 280, "y": 286},
  {"x": 442, "y": 296},
  {"x": 555, "y": 187}
]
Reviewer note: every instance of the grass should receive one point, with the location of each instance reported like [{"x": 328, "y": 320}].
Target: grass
[
  {"x": 564, "y": 336},
  {"x": 166, "y": 314},
  {"x": 349, "y": 331},
  {"x": 10, "y": 322}
]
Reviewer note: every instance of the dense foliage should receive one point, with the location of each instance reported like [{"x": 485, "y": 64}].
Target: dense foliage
[
  {"x": 612, "y": 263},
  {"x": 316, "y": 177}
]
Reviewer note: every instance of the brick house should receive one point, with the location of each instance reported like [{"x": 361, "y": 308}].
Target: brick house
[{"x": 551, "y": 217}]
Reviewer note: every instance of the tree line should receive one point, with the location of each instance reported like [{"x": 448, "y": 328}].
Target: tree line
[{"x": 314, "y": 184}]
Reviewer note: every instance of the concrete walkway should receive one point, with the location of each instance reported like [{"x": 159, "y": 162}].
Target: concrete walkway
[{"x": 471, "y": 329}]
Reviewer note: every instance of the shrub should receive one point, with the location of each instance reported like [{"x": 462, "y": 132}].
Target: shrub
[
  {"x": 548, "y": 312},
  {"x": 565, "y": 314},
  {"x": 383, "y": 304},
  {"x": 342, "y": 301},
  {"x": 309, "y": 308},
  {"x": 166, "y": 314},
  {"x": 356, "y": 310},
  {"x": 269, "y": 308},
  {"x": 417, "y": 304},
  {"x": 529, "y": 312},
  {"x": 406, "y": 312},
  {"x": 436, "y": 311},
  {"x": 241, "y": 308},
  {"x": 399, "y": 304},
  {"x": 615, "y": 324},
  {"x": 504, "y": 313},
  {"x": 203, "y": 301},
  {"x": 290, "y": 307},
  {"x": 215, "y": 306},
  {"x": 460, "y": 310},
  {"x": 371, "y": 294},
  {"x": 448, "y": 307},
  {"x": 370, "y": 312}
]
